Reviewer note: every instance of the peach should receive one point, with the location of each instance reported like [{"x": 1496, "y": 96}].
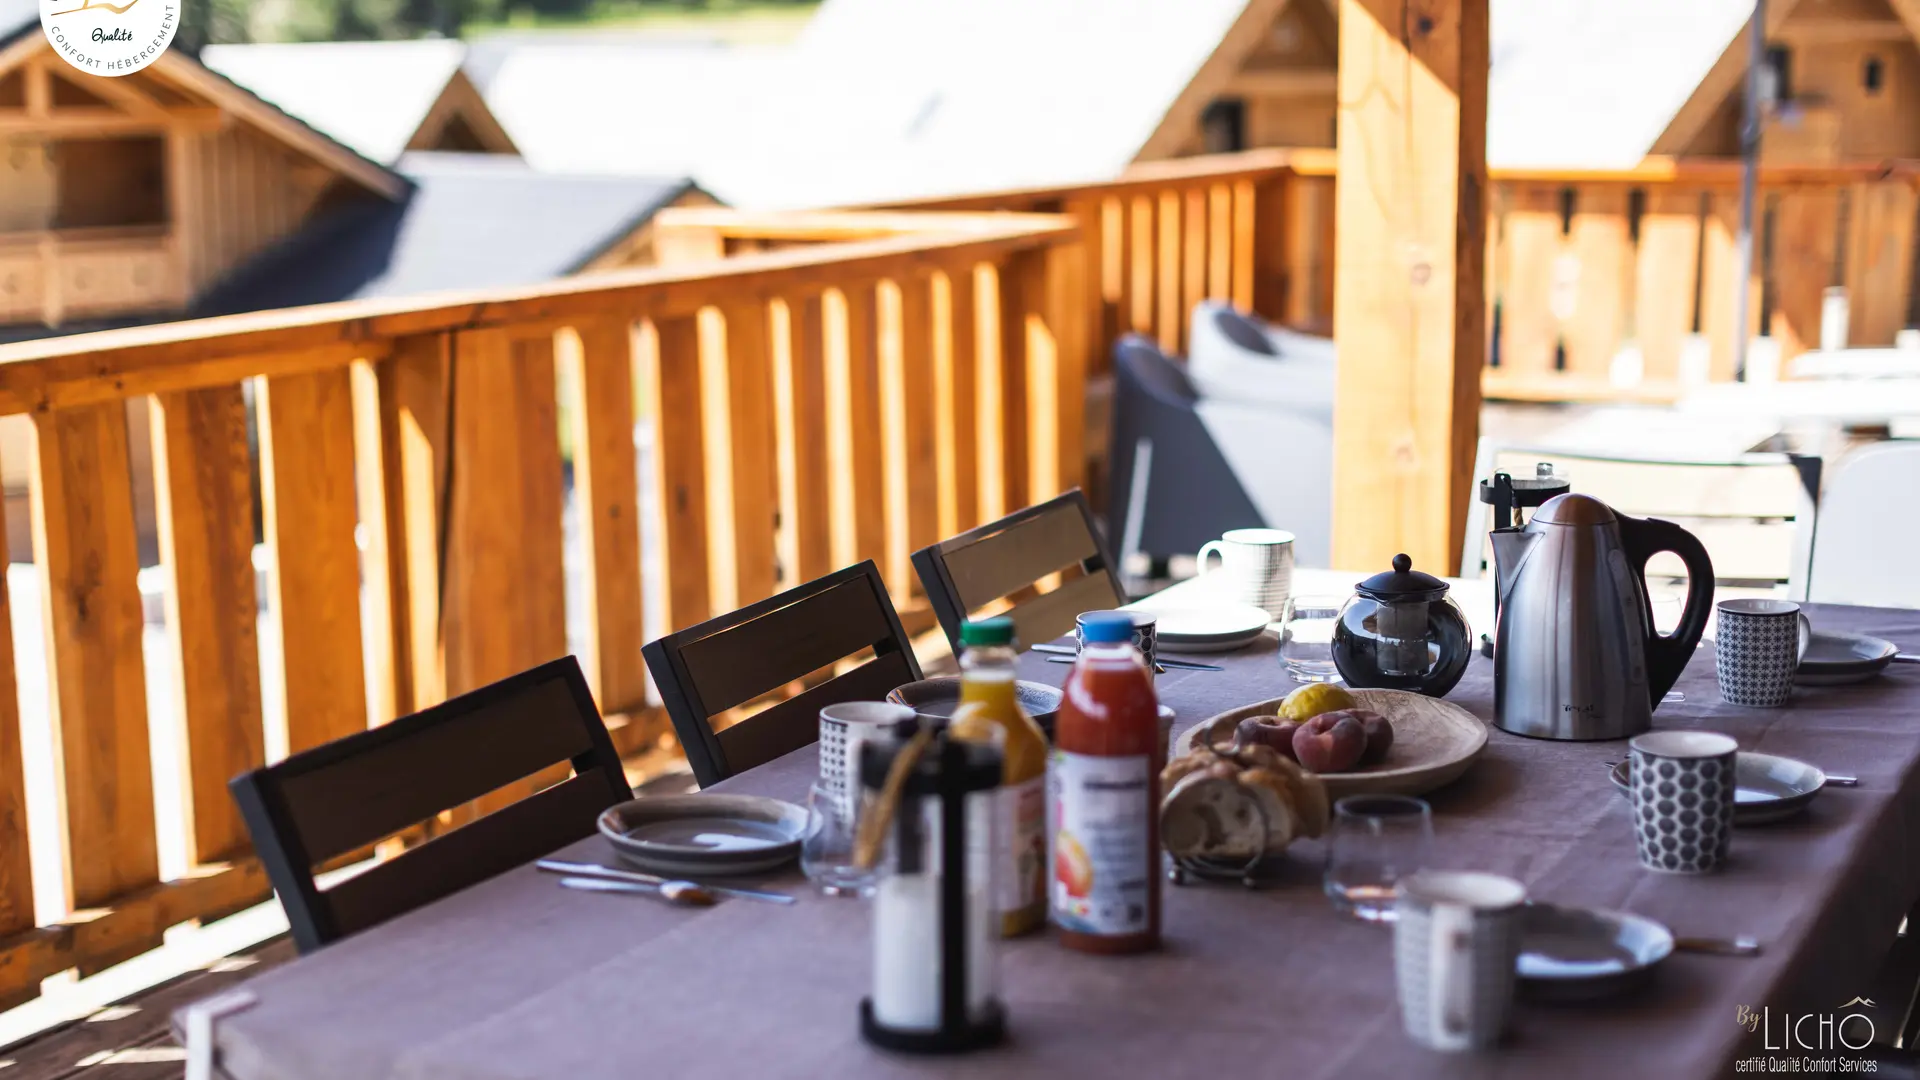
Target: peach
[
  {"x": 1330, "y": 742},
  {"x": 1266, "y": 731},
  {"x": 1379, "y": 736}
]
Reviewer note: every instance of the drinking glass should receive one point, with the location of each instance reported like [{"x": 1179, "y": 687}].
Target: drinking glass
[
  {"x": 1306, "y": 643},
  {"x": 1376, "y": 840},
  {"x": 826, "y": 848}
]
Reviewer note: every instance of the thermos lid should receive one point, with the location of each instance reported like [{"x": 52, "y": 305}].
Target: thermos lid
[
  {"x": 1574, "y": 509},
  {"x": 1401, "y": 584}
]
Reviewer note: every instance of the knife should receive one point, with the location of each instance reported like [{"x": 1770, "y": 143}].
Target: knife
[
  {"x": 1067, "y": 652},
  {"x": 1906, "y": 658},
  {"x": 587, "y": 869}
]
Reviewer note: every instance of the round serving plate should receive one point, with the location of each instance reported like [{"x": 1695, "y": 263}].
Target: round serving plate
[
  {"x": 1581, "y": 954},
  {"x": 1434, "y": 741},
  {"x": 1212, "y": 629},
  {"x": 1768, "y": 788},
  {"x": 1835, "y": 658},
  {"x": 692, "y": 835}
]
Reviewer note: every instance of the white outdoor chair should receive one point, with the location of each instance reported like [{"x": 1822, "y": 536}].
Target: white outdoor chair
[
  {"x": 1754, "y": 512},
  {"x": 1869, "y": 517}
]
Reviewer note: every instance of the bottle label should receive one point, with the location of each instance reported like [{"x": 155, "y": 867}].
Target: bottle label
[
  {"x": 1102, "y": 864},
  {"x": 1022, "y": 839}
]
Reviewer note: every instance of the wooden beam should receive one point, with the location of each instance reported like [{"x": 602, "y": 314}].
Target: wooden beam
[
  {"x": 1285, "y": 82},
  {"x": 1842, "y": 31},
  {"x": 1408, "y": 314},
  {"x": 1908, "y": 12}
]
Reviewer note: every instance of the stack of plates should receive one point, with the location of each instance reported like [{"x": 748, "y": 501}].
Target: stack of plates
[
  {"x": 1222, "y": 628},
  {"x": 704, "y": 835},
  {"x": 1834, "y": 658}
]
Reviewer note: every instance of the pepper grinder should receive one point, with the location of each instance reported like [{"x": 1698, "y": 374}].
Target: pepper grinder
[{"x": 935, "y": 927}]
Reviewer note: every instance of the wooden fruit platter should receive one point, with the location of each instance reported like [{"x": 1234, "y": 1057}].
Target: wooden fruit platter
[{"x": 1434, "y": 742}]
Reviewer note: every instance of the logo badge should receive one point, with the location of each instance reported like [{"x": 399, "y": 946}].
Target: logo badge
[{"x": 109, "y": 37}]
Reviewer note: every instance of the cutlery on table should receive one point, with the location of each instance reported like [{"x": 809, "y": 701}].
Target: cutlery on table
[
  {"x": 1737, "y": 946},
  {"x": 1163, "y": 663},
  {"x": 1833, "y": 779},
  {"x": 609, "y": 873},
  {"x": 683, "y": 893}
]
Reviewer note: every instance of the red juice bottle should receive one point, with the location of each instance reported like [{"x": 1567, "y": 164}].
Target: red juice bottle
[{"x": 1103, "y": 782}]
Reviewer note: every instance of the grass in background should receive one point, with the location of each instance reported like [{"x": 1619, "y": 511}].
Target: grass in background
[{"x": 739, "y": 20}]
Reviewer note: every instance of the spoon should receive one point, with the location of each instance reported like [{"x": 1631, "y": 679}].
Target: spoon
[
  {"x": 683, "y": 893},
  {"x": 1736, "y": 946},
  {"x": 595, "y": 870}
]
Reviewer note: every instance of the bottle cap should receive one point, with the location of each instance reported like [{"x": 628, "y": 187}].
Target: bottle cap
[
  {"x": 994, "y": 631},
  {"x": 1106, "y": 627}
]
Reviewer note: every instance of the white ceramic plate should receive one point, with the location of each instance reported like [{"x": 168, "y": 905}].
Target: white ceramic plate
[
  {"x": 704, "y": 834},
  {"x": 1835, "y": 658},
  {"x": 1769, "y": 788},
  {"x": 1579, "y": 954},
  {"x": 1208, "y": 629}
]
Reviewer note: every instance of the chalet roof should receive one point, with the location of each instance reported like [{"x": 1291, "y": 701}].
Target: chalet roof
[
  {"x": 890, "y": 99},
  {"x": 369, "y": 95},
  {"x": 877, "y": 99},
  {"x": 472, "y": 221},
  {"x": 1592, "y": 83}
]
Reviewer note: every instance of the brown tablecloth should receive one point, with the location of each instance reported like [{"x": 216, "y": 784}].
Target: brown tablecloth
[{"x": 518, "y": 978}]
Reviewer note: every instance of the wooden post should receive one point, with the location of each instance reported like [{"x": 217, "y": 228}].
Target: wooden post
[{"x": 1408, "y": 318}]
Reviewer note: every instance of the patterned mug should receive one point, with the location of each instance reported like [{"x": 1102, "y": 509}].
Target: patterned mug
[
  {"x": 1146, "y": 632},
  {"x": 1757, "y": 648},
  {"x": 1683, "y": 791},
  {"x": 1456, "y": 939}
]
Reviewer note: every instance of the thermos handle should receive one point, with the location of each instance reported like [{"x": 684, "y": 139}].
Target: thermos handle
[{"x": 1667, "y": 654}]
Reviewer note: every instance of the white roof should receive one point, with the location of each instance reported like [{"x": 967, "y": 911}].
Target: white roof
[
  {"x": 884, "y": 100},
  {"x": 1592, "y": 83},
  {"x": 878, "y": 99},
  {"x": 370, "y": 95}
]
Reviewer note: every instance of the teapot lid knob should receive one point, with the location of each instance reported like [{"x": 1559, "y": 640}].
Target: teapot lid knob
[{"x": 1403, "y": 582}]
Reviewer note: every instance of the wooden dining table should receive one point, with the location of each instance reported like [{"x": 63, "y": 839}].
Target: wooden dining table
[{"x": 518, "y": 978}]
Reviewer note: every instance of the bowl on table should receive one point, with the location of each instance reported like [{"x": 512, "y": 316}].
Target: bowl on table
[
  {"x": 941, "y": 696},
  {"x": 704, "y": 835}
]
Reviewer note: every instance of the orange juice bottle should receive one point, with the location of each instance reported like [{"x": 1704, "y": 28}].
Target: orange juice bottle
[{"x": 990, "y": 712}]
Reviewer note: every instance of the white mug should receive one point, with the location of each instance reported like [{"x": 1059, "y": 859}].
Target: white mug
[
  {"x": 843, "y": 729},
  {"x": 1258, "y": 564},
  {"x": 1456, "y": 939}
]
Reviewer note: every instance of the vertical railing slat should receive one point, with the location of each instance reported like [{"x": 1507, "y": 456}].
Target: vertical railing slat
[
  {"x": 806, "y": 534},
  {"x": 858, "y": 491},
  {"x": 599, "y": 356},
  {"x": 748, "y": 411},
  {"x": 1245, "y": 253},
  {"x": 1019, "y": 283},
  {"x": 16, "y": 868},
  {"x": 84, "y": 544},
  {"x": 307, "y": 497},
  {"x": 907, "y": 426},
  {"x": 1666, "y": 263},
  {"x": 1193, "y": 270},
  {"x": 670, "y": 398},
  {"x": 1167, "y": 326},
  {"x": 412, "y": 392},
  {"x": 955, "y": 361},
  {"x": 1219, "y": 242},
  {"x": 203, "y": 488},
  {"x": 1142, "y": 264}
]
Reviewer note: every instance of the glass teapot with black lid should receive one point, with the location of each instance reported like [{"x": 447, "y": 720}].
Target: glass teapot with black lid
[{"x": 1401, "y": 631}]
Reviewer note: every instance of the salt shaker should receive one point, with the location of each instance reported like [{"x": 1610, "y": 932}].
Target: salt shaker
[{"x": 935, "y": 927}]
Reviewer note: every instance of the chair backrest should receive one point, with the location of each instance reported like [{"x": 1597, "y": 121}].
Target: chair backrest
[
  {"x": 343, "y": 796},
  {"x": 1754, "y": 513},
  {"x": 1863, "y": 548},
  {"x": 1008, "y": 557},
  {"x": 723, "y": 663}
]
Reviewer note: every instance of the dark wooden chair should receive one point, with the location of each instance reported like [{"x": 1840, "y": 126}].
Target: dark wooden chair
[
  {"x": 1006, "y": 558},
  {"x": 343, "y": 796},
  {"x": 705, "y": 670}
]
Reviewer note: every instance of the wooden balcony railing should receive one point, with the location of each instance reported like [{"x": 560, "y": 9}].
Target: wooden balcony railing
[
  {"x": 1579, "y": 263},
  {"x": 803, "y": 409}
]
